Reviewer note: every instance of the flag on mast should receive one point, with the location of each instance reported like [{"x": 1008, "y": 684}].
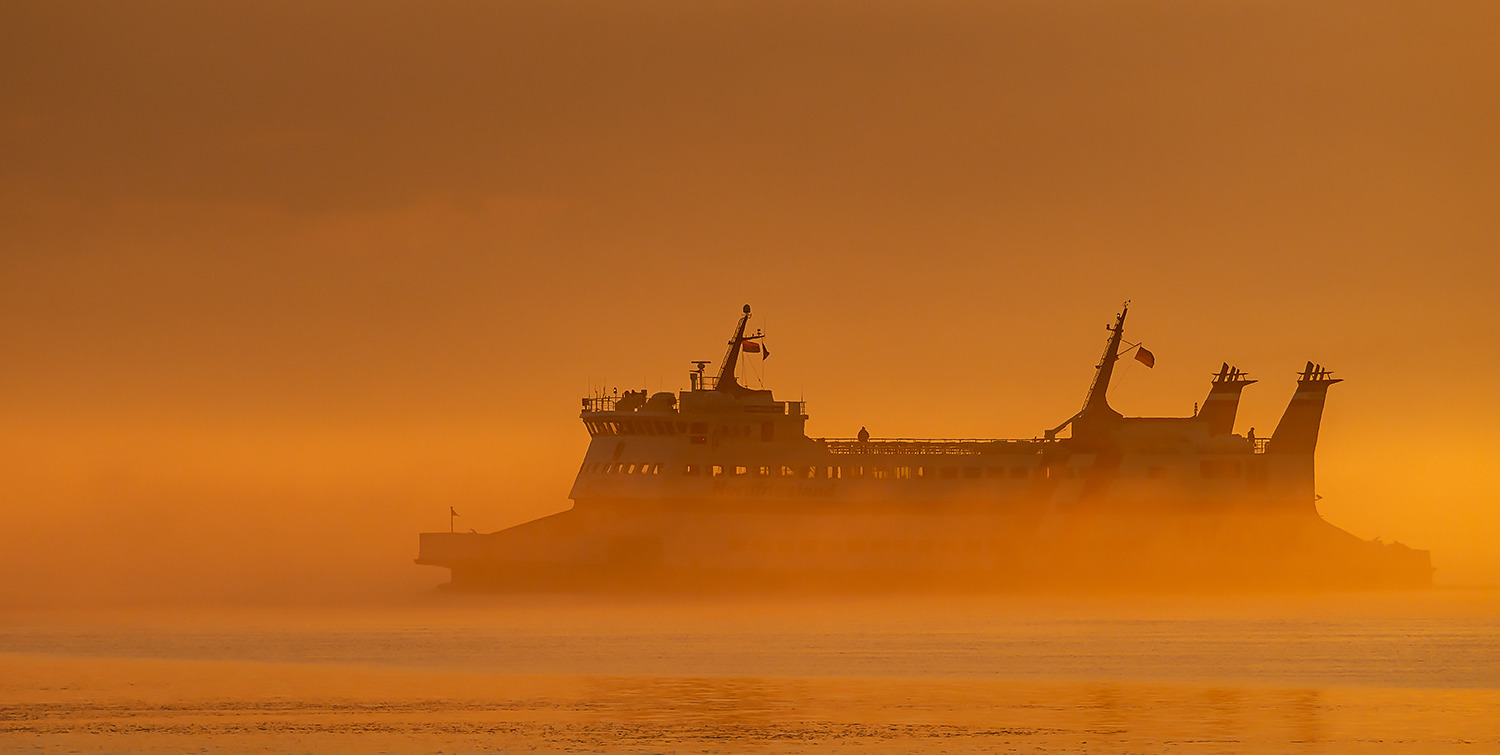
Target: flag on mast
[{"x": 1144, "y": 356}]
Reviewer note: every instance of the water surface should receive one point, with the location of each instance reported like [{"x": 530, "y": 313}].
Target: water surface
[{"x": 1402, "y": 673}]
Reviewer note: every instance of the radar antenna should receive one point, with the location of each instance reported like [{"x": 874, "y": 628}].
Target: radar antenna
[{"x": 695, "y": 377}]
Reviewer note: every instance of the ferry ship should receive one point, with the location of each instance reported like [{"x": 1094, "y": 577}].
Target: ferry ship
[{"x": 718, "y": 487}]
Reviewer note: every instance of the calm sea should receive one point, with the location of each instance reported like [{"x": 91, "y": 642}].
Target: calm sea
[{"x": 1417, "y": 672}]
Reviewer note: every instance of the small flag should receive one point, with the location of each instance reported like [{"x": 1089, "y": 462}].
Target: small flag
[
  {"x": 765, "y": 353},
  {"x": 1145, "y": 357},
  {"x": 451, "y": 512},
  {"x": 751, "y": 347}
]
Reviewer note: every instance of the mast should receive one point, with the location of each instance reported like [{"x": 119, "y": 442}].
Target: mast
[
  {"x": 726, "y": 382},
  {"x": 1096, "y": 405},
  {"x": 1097, "y": 397}
]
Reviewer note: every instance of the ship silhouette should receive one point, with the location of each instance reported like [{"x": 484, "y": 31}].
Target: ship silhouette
[{"x": 719, "y": 488}]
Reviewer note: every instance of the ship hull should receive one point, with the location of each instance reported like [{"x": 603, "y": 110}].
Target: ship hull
[{"x": 771, "y": 547}]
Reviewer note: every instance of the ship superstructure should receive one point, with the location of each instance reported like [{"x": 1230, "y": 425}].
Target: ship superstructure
[{"x": 719, "y": 486}]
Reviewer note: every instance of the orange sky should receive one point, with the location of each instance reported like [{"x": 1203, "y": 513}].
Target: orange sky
[{"x": 279, "y": 284}]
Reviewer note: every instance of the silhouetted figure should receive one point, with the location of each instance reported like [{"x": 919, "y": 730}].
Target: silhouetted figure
[
  {"x": 1251, "y": 435},
  {"x": 864, "y": 435}
]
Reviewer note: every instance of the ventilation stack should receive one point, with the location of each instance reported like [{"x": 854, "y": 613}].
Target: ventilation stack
[
  {"x": 1297, "y": 432},
  {"x": 1223, "y": 400}
]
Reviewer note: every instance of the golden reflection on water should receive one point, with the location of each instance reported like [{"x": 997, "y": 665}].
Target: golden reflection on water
[
  {"x": 139, "y": 706},
  {"x": 1390, "y": 674}
]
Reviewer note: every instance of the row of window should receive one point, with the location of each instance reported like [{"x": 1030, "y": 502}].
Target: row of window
[
  {"x": 839, "y": 472},
  {"x": 642, "y": 427},
  {"x": 877, "y": 545},
  {"x": 697, "y": 430},
  {"x": 1210, "y": 469},
  {"x": 621, "y": 468}
]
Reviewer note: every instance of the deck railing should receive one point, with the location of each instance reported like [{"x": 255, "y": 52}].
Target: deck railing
[
  {"x": 932, "y": 446},
  {"x": 593, "y": 404},
  {"x": 600, "y": 403}
]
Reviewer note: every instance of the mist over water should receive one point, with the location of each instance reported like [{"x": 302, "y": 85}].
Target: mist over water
[
  {"x": 266, "y": 321},
  {"x": 1440, "y": 639},
  {"x": 1339, "y": 673}
]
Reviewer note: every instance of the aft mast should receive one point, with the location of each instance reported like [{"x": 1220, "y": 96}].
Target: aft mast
[
  {"x": 1096, "y": 411},
  {"x": 1098, "y": 399}
]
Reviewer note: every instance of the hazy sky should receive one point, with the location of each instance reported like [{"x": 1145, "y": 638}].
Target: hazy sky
[{"x": 279, "y": 282}]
